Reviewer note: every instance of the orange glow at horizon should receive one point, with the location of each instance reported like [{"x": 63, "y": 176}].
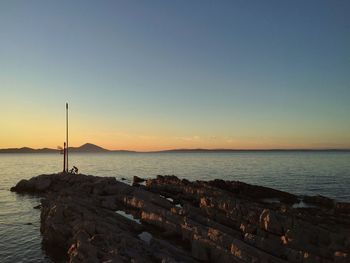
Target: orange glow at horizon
[
  {"x": 36, "y": 128},
  {"x": 157, "y": 143}
]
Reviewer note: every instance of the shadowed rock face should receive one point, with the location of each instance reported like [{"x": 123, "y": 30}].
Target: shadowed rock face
[{"x": 183, "y": 221}]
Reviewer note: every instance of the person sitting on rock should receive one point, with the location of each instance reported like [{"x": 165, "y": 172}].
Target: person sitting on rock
[{"x": 74, "y": 170}]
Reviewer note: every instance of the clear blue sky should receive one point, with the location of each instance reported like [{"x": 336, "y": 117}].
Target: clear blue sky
[{"x": 169, "y": 74}]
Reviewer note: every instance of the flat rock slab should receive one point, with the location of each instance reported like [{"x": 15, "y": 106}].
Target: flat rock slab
[{"x": 86, "y": 218}]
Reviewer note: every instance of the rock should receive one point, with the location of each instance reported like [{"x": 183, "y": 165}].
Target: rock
[
  {"x": 270, "y": 223},
  {"x": 42, "y": 185},
  {"x": 320, "y": 200},
  {"x": 340, "y": 256},
  {"x": 109, "y": 202},
  {"x": 342, "y": 207},
  {"x": 23, "y": 186},
  {"x": 137, "y": 180},
  {"x": 217, "y": 221},
  {"x": 199, "y": 250}
]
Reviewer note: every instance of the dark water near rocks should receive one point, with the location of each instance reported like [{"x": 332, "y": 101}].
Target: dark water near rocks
[{"x": 325, "y": 173}]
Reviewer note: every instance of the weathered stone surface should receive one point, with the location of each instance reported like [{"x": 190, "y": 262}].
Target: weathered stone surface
[
  {"x": 137, "y": 180},
  {"x": 270, "y": 223},
  {"x": 42, "y": 185},
  {"x": 215, "y": 221},
  {"x": 23, "y": 186},
  {"x": 319, "y": 200}
]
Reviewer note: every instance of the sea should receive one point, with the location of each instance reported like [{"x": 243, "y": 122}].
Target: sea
[{"x": 300, "y": 172}]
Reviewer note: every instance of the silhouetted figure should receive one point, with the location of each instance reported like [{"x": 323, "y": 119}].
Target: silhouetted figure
[{"x": 74, "y": 170}]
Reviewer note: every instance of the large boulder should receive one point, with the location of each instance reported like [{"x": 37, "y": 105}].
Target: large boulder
[{"x": 23, "y": 186}]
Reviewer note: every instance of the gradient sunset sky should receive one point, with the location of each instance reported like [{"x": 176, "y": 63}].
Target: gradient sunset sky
[{"x": 151, "y": 75}]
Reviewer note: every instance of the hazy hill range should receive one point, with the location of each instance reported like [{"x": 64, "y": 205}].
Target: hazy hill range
[
  {"x": 92, "y": 148},
  {"x": 87, "y": 148},
  {"x": 28, "y": 150}
]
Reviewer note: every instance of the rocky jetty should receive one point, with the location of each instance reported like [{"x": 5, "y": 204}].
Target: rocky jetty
[{"x": 166, "y": 219}]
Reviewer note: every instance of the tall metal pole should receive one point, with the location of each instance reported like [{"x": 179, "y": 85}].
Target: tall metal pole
[
  {"x": 67, "y": 136},
  {"x": 64, "y": 157}
]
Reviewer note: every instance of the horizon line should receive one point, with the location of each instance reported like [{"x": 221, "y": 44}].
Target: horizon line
[{"x": 184, "y": 149}]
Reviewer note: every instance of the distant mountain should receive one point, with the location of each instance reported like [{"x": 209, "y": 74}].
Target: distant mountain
[{"x": 88, "y": 148}]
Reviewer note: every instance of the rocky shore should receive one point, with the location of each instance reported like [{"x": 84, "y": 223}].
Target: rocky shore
[{"x": 99, "y": 219}]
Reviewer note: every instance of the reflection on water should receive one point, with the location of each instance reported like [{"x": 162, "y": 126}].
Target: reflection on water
[{"x": 311, "y": 173}]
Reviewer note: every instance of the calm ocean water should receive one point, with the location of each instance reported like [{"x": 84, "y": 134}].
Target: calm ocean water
[{"x": 325, "y": 173}]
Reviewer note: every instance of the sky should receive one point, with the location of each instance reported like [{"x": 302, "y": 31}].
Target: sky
[{"x": 152, "y": 75}]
